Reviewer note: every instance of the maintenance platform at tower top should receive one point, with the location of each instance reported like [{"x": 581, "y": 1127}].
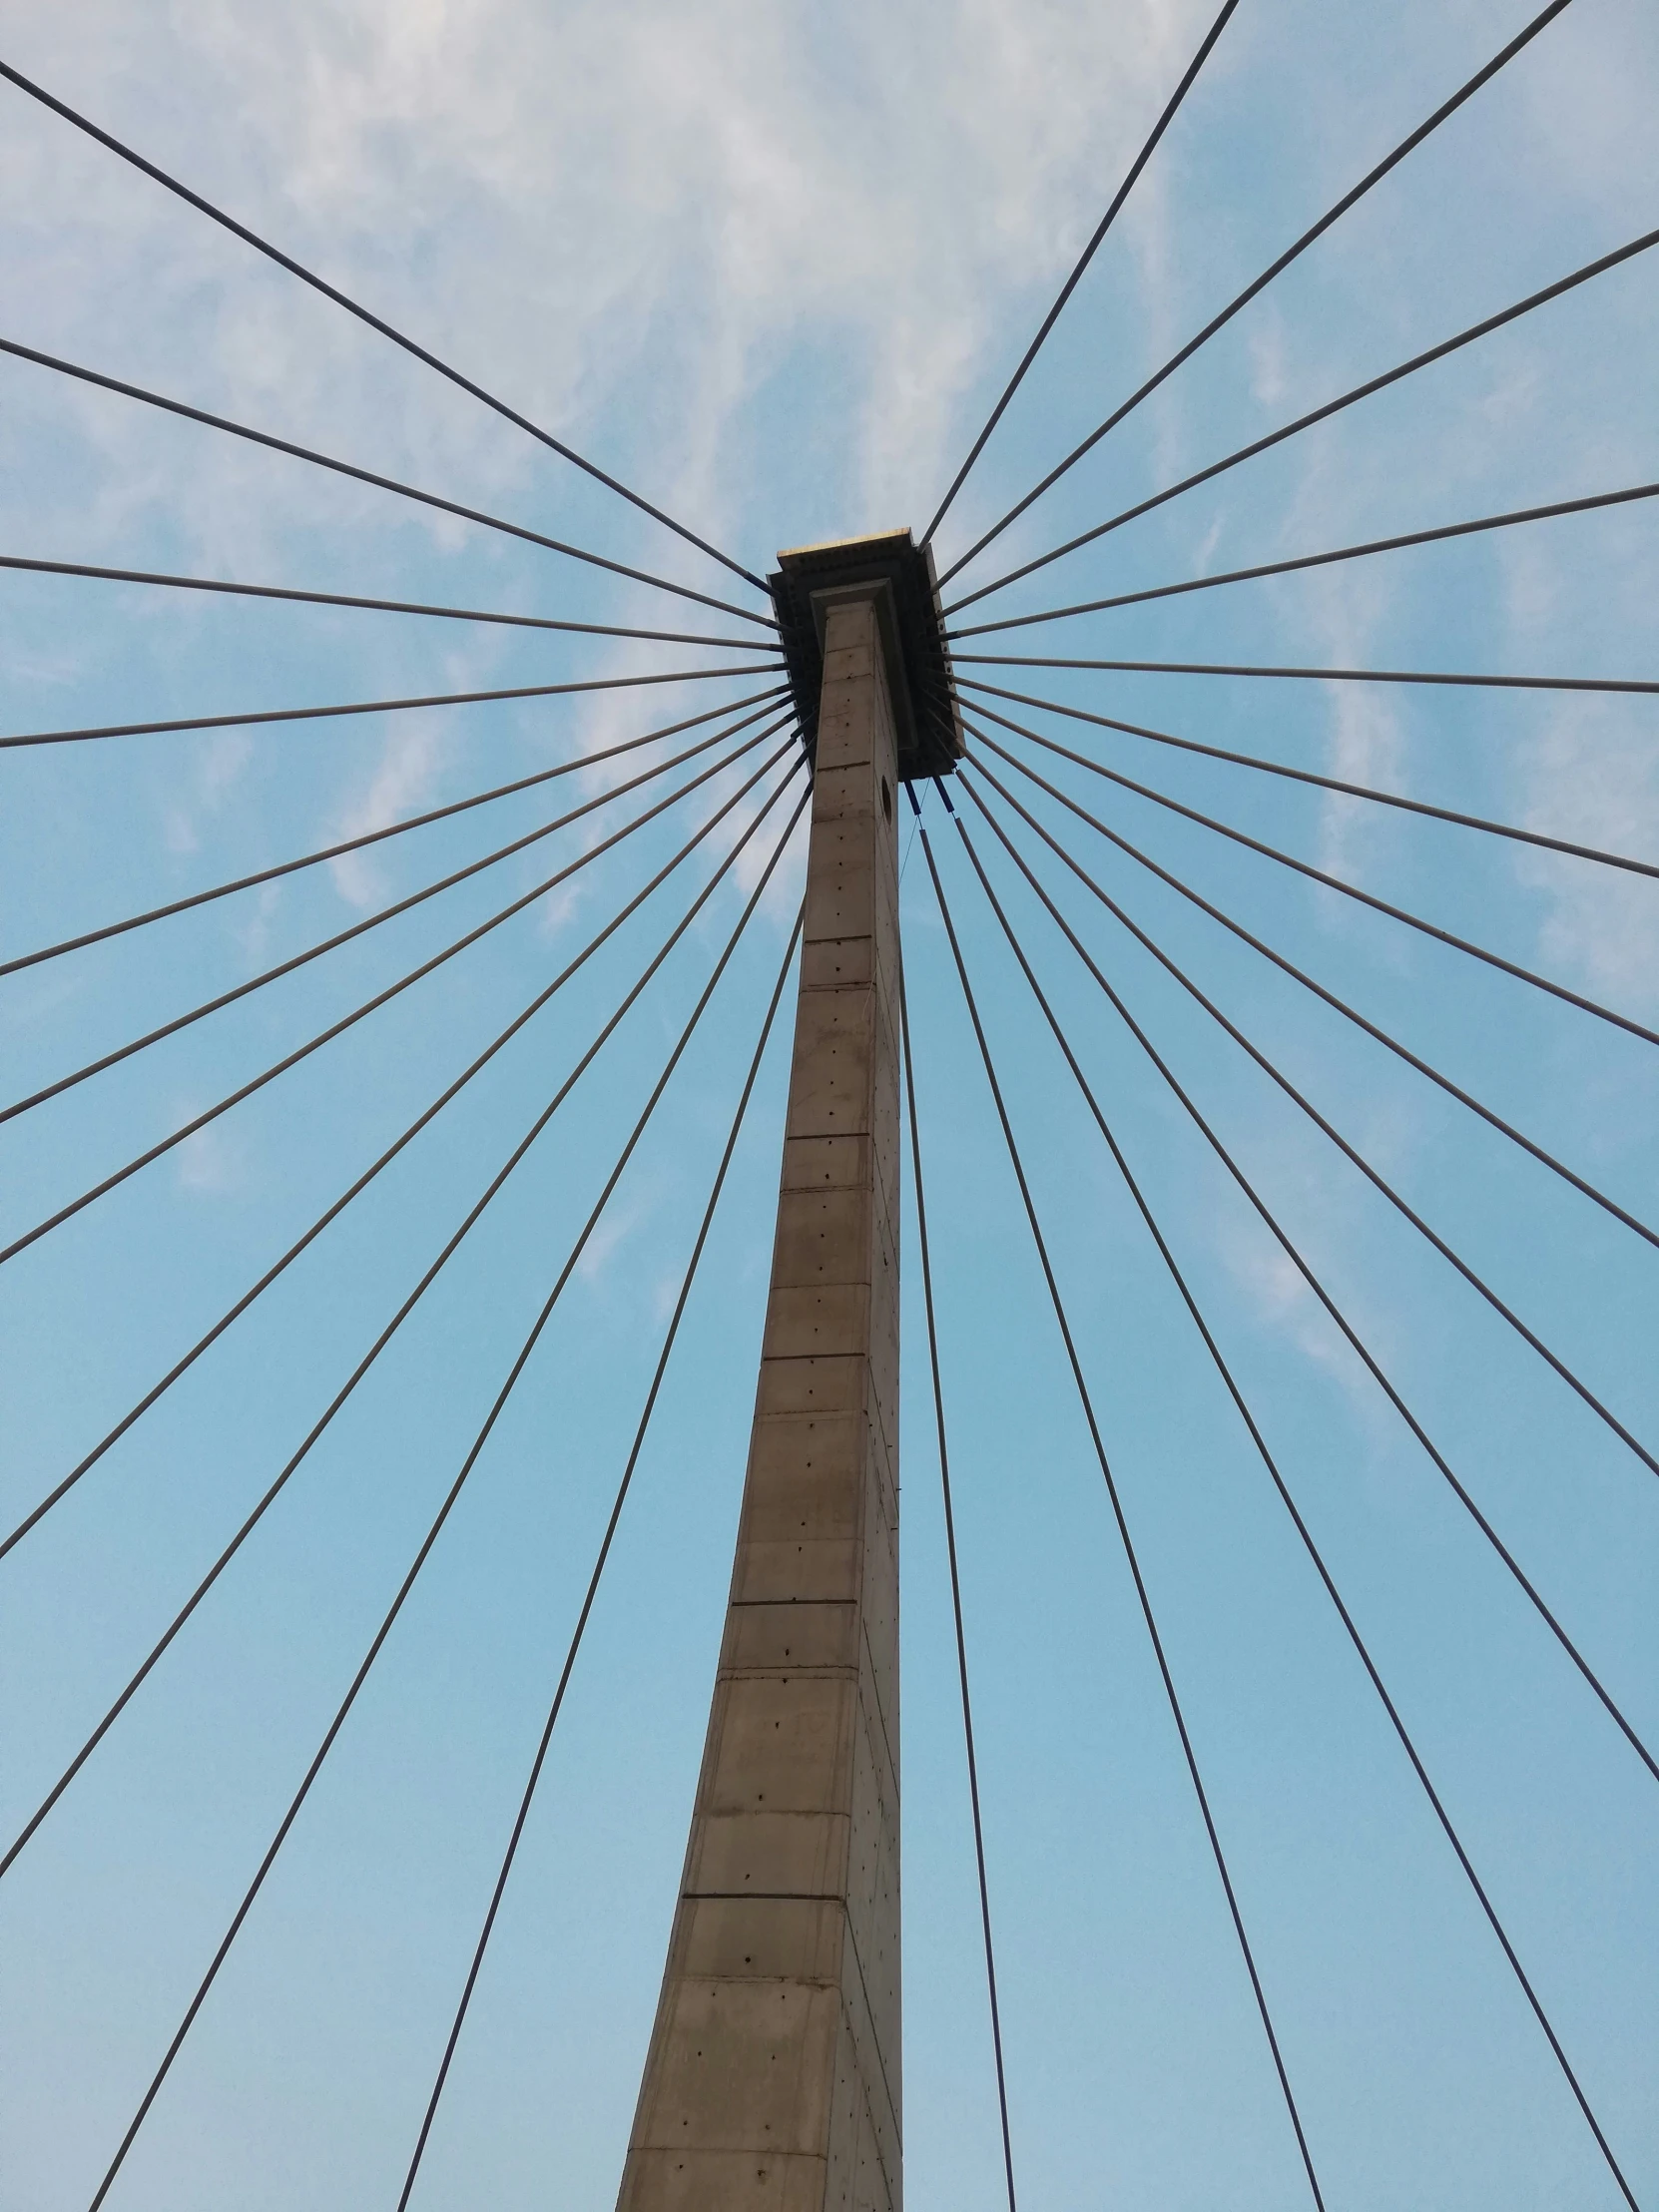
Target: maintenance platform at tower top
[{"x": 811, "y": 578}]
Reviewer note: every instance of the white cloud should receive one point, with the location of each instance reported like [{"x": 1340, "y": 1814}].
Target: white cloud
[
  {"x": 710, "y": 191},
  {"x": 1592, "y": 777},
  {"x": 254, "y": 932},
  {"x": 615, "y": 1227},
  {"x": 411, "y": 761},
  {"x": 560, "y": 906},
  {"x": 1324, "y": 1208},
  {"x": 207, "y": 787},
  {"x": 1365, "y": 739},
  {"x": 1268, "y": 382},
  {"x": 1365, "y": 746},
  {"x": 211, "y": 1163}
]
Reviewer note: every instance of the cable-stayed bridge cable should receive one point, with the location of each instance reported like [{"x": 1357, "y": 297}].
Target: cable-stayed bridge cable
[
  {"x": 1453, "y": 1259},
  {"x": 1298, "y": 1522},
  {"x": 393, "y": 830},
  {"x": 1591, "y": 503},
  {"x": 1141, "y": 1591},
  {"x": 1354, "y": 1342},
  {"x": 1330, "y": 407},
  {"x": 375, "y": 321},
  {"x": 599, "y": 1564},
  {"x": 1333, "y": 215},
  {"x": 361, "y": 1182},
  {"x": 436, "y": 1529},
  {"x": 295, "y": 597},
  {"x": 1372, "y": 1029},
  {"x": 369, "y": 707},
  {"x": 435, "y": 1268},
  {"x": 370, "y": 476},
  {"x": 335, "y": 1029},
  {"x": 1642, "y": 685},
  {"x": 404, "y": 906},
  {"x": 1305, "y": 867},
  {"x": 1368, "y": 791},
  {"x": 955, "y": 1575},
  {"x": 1070, "y": 286}
]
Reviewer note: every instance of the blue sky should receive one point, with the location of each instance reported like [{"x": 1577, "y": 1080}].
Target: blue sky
[{"x": 771, "y": 267}]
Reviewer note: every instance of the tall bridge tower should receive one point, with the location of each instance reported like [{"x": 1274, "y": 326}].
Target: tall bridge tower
[{"x": 774, "y": 2076}]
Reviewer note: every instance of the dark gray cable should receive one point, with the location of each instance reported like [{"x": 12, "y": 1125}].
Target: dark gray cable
[
  {"x": 385, "y": 1628},
  {"x": 370, "y": 476},
  {"x": 1592, "y": 503},
  {"x": 1373, "y": 384},
  {"x": 393, "y": 830},
  {"x": 264, "y": 1504},
  {"x": 377, "y": 606},
  {"x": 1321, "y": 675},
  {"x": 592, "y": 1591},
  {"x": 1325, "y": 782},
  {"x": 1068, "y": 287},
  {"x": 1372, "y": 1029},
  {"x": 1453, "y": 1259},
  {"x": 362, "y": 1183},
  {"x": 347, "y": 936},
  {"x": 955, "y": 1576},
  {"x": 1313, "y": 874},
  {"x": 374, "y": 322},
  {"x": 1442, "y": 1465},
  {"x": 1122, "y": 1524},
  {"x": 371, "y": 1005},
  {"x": 1290, "y": 1508},
  {"x": 1292, "y": 253},
  {"x": 369, "y": 707}
]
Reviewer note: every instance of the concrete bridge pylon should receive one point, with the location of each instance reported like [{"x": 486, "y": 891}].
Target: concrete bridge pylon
[{"x": 773, "y": 2081}]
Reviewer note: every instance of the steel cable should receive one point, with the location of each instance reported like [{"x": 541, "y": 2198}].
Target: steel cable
[
  {"x": 1372, "y": 1029},
  {"x": 1453, "y": 1259},
  {"x": 1425, "y": 359},
  {"x": 1122, "y": 1523},
  {"x": 360, "y": 1184},
  {"x": 367, "y": 707},
  {"x": 393, "y": 830},
  {"x": 1290, "y": 1508},
  {"x": 375, "y": 321},
  {"x": 955, "y": 1576},
  {"x": 1496, "y": 1121},
  {"x": 1592, "y": 503},
  {"x": 604, "y": 1553},
  {"x": 1070, "y": 286},
  {"x": 1306, "y": 868},
  {"x": 1322, "y": 675},
  {"x": 370, "y": 476},
  {"x": 1326, "y": 782},
  {"x": 469, "y": 1219},
  {"x": 1333, "y": 215},
  {"x": 294, "y": 596},
  {"x": 432, "y": 1535},
  {"x": 347, "y": 1021},
  {"x": 359, "y": 928},
  {"x": 1442, "y": 1465}
]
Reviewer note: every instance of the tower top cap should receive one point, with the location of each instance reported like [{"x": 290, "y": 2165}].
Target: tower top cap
[{"x": 898, "y": 575}]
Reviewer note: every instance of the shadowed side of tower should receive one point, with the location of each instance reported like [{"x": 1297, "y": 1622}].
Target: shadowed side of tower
[{"x": 773, "y": 2078}]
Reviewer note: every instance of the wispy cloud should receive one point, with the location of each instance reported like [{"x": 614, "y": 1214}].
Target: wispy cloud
[
  {"x": 207, "y": 787},
  {"x": 618, "y": 1224},
  {"x": 403, "y": 779},
  {"x": 1593, "y": 776},
  {"x": 1315, "y": 1197},
  {"x": 210, "y": 1164}
]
